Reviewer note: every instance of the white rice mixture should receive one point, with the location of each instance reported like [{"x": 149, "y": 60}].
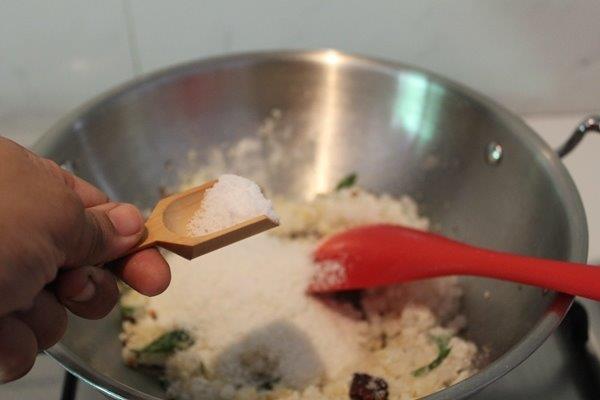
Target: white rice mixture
[{"x": 257, "y": 335}]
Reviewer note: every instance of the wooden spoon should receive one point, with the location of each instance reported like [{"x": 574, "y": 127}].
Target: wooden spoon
[
  {"x": 380, "y": 255},
  {"x": 167, "y": 226}
]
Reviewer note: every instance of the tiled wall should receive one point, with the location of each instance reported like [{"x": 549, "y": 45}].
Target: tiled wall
[{"x": 533, "y": 56}]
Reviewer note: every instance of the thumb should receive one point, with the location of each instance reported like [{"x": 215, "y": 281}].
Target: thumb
[{"x": 109, "y": 230}]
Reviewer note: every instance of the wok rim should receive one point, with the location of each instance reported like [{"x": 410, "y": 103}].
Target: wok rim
[{"x": 565, "y": 186}]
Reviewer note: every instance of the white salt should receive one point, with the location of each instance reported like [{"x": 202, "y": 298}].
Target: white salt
[
  {"x": 230, "y": 201},
  {"x": 244, "y": 310},
  {"x": 328, "y": 274}
]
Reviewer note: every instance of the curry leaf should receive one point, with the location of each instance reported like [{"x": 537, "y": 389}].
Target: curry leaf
[
  {"x": 127, "y": 312},
  {"x": 443, "y": 352},
  {"x": 168, "y": 343},
  {"x": 347, "y": 181}
]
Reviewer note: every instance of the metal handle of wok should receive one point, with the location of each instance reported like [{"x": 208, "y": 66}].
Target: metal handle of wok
[{"x": 589, "y": 124}]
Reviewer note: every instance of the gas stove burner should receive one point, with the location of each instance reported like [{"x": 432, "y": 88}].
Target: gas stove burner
[
  {"x": 566, "y": 367},
  {"x": 576, "y": 326}
]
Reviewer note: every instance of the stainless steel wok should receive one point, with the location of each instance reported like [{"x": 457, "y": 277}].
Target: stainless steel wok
[{"x": 478, "y": 172}]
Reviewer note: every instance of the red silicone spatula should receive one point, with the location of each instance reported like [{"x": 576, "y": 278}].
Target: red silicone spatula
[{"x": 378, "y": 255}]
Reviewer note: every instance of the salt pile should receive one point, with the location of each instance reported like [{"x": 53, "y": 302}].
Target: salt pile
[
  {"x": 251, "y": 316},
  {"x": 230, "y": 201}
]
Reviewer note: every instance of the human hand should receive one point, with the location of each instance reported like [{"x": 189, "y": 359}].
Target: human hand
[{"x": 55, "y": 232}]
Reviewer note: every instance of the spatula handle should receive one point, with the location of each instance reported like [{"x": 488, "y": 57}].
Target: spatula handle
[
  {"x": 381, "y": 255},
  {"x": 458, "y": 258}
]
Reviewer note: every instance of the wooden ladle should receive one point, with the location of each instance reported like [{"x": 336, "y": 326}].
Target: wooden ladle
[{"x": 167, "y": 226}]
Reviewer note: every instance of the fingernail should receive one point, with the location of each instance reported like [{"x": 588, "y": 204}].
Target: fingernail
[
  {"x": 87, "y": 293},
  {"x": 126, "y": 219},
  {"x": 95, "y": 277}
]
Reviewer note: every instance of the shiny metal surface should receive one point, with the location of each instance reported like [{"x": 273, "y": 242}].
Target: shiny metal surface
[
  {"x": 401, "y": 129},
  {"x": 493, "y": 153}
]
